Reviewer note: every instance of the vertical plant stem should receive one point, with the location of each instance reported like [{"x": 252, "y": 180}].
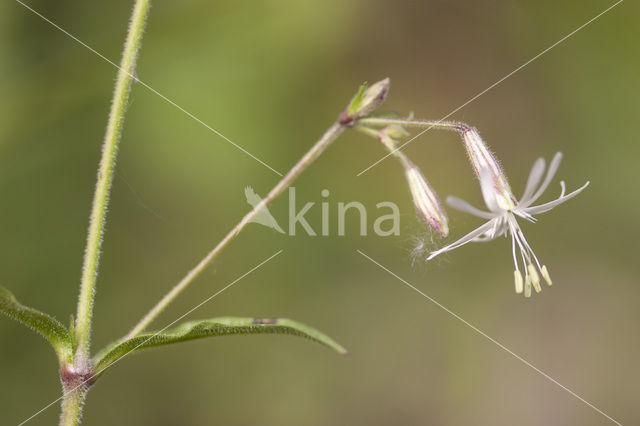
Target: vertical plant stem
[
  {"x": 105, "y": 177},
  {"x": 330, "y": 135},
  {"x": 72, "y": 406}
]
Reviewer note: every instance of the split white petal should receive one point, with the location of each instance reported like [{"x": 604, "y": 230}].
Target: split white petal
[
  {"x": 460, "y": 204},
  {"x": 464, "y": 240},
  {"x": 534, "y": 179},
  {"x": 551, "y": 204},
  {"x": 553, "y": 168}
]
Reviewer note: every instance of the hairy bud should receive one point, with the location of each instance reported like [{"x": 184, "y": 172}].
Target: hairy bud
[
  {"x": 365, "y": 101},
  {"x": 426, "y": 201}
]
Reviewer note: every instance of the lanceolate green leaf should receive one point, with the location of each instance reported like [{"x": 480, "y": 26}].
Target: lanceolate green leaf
[
  {"x": 209, "y": 328},
  {"x": 357, "y": 100},
  {"x": 50, "y": 328}
]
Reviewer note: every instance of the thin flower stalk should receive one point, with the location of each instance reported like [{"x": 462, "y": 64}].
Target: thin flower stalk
[
  {"x": 365, "y": 101},
  {"x": 426, "y": 201}
]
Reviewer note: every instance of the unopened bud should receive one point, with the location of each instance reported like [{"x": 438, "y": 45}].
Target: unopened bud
[
  {"x": 365, "y": 101},
  {"x": 426, "y": 201}
]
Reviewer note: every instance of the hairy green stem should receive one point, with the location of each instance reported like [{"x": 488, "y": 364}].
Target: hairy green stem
[
  {"x": 105, "y": 177},
  {"x": 72, "y": 405},
  {"x": 330, "y": 135},
  {"x": 447, "y": 125}
]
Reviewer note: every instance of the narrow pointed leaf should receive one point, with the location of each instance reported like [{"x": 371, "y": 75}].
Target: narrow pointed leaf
[
  {"x": 50, "y": 328},
  {"x": 357, "y": 100},
  {"x": 209, "y": 328}
]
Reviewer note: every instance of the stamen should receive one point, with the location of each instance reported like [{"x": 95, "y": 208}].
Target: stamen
[
  {"x": 527, "y": 286},
  {"x": 535, "y": 278},
  {"x": 545, "y": 275},
  {"x": 526, "y": 258},
  {"x": 513, "y": 251},
  {"x": 530, "y": 252},
  {"x": 519, "y": 283}
]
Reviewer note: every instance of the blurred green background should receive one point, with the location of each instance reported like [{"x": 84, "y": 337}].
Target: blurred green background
[{"x": 272, "y": 76}]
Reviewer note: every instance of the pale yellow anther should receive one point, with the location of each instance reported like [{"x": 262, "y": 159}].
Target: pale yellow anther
[
  {"x": 535, "y": 278},
  {"x": 545, "y": 274},
  {"x": 527, "y": 287},
  {"x": 519, "y": 283}
]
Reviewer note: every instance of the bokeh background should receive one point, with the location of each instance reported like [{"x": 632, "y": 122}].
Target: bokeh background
[{"x": 272, "y": 76}]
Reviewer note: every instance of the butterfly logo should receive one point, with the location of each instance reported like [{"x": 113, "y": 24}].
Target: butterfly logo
[{"x": 263, "y": 217}]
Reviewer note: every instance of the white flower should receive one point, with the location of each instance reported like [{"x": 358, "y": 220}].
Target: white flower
[{"x": 503, "y": 209}]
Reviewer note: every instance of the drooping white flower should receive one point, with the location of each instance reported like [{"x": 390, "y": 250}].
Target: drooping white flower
[{"x": 504, "y": 208}]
